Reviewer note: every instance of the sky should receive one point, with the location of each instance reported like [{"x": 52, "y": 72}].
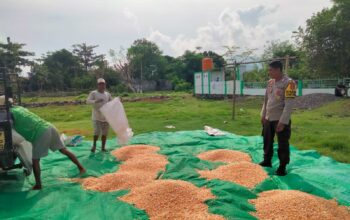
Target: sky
[{"x": 175, "y": 26}]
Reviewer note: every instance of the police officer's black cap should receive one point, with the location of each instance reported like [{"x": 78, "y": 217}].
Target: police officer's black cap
[{"x": 276, "y": 64}]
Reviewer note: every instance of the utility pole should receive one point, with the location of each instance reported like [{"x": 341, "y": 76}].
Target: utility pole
[
  {"x": 286, "y": 64},
  {"x": 9, "y": 49},
  {"x": 141, "y": 77}
]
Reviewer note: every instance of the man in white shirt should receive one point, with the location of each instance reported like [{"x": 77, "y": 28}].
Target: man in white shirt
[{"x": 98, "y": 98}]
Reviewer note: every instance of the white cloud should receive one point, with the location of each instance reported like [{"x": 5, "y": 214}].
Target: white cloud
[
  {"x": 175, "y": 25},
  {"x": 251, "y": 16},
  {"x": 133, "y": 18},
  {"x": 232, "y": 28}
]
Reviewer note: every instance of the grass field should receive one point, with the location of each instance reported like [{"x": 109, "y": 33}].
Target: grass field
[{"x": 325, "y": 129}]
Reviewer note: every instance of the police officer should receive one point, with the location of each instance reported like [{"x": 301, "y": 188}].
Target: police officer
[{"x": 276, "y": 116}]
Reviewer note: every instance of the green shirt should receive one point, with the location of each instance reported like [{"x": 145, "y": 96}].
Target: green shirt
[{"x": 28, "y": 124}]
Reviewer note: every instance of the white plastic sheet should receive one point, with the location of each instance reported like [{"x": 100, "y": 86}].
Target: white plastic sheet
[
  {"x": 16, "y": 138},
  {"x": 115, "y": 115},
  {"x": 71, "y": 141},
  {"x": 213, "y": 131}
]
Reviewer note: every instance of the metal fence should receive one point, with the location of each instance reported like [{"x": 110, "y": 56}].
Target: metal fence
[
  {"x": 204, "y": 86},
  {"x": 307, "y": 84},
  {"x": 321, "y": 83},
  {"x": 305, "y": 87},
  {"x": 255, "y": 85}
]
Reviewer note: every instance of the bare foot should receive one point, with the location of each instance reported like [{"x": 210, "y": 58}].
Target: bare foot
[
  {"x": 37, "y": 187},
  {"x": 93, "y": 149}
]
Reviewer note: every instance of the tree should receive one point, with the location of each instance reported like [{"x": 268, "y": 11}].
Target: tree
[
  {"x": 174, "y": 66},
  {"x": 113, "y": 79},
  {"x": 235, "y": 53},
  {"x": 146, "y": 60},
  {"x": 326, "y": 40},
  {"x": 192, "y": 62},
  {"x": 121, "y": 64},
  {"x": 38, "y": 77},
  {"x": 86, "y": 81},
  {"x": 63, "y": 67},
  {"x": 234, "y": 56},
  {"x": 279, "y": 49},
  {"x": 12, "y": 56},
  {"x": 174, "y": 70},
  {"x": 87, "y": 57},
  {"x": 297, "y": 67},
  {"x": 218, "y": 60}
]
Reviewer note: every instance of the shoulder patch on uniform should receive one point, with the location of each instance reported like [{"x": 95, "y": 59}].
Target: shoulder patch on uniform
[{"x": 291, "y": 90}]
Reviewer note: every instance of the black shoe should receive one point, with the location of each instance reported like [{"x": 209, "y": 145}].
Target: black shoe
[
  {"x": 265, "y": 164},
  {"x": 281, "y": 171},
  {"x": 93, "y": 149}
]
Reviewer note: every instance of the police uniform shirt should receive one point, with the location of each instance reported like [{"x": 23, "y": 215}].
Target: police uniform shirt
[{"x": 279, "y": 98}]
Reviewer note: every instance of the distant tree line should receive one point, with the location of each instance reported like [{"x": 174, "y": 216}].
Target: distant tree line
[{"x": 79, "y": 67}]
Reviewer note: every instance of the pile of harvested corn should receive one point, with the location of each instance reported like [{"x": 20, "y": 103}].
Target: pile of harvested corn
[
  {"x": 222, "y": 155},
  {"x": 115, "y": 181},
  {"x": 152, "y": 164},
  {"x": 243, "y": 173},
  {"x": 131, "y": 151},
  {"x": 161, "y": 199},
  {"x": 177, "y": 199},
  {"x": 172, "y": 199},
  {"x": 293, "y": 204},
  {"x": 141, "y": 166}
]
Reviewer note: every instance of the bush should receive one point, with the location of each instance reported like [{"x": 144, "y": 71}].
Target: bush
[
  {"x": 85, "y": 82},
  {"x": 81, "y": 97},
  {"x": 183, "y": 86},
  {"x": 118, "y": 89},
  {"x": 34, "y": 99}
]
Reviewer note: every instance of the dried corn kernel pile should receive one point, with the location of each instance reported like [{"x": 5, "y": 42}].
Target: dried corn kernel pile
[
  {"x": 293, "y": 204},
  {"x": 239, "y": 169},
  {"x": 172, "y": 199}
]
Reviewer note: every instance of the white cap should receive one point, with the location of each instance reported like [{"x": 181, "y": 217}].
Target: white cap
[{"x": 101, "y": 80}]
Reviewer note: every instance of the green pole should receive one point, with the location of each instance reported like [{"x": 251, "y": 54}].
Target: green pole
[
  {"x": 225, "y": 87},
  {"x": 241, "y": 87},
  {"x": 300, "y": 87},
  {"x": 209, "y": 79},
  {"x": 194, "y": 84},
  {"x": 202, "y": 83},
  {"x": 238, "y": 76}
]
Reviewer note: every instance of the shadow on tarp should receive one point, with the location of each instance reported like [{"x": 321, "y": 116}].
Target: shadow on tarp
[{"x": 308, "y": 172}]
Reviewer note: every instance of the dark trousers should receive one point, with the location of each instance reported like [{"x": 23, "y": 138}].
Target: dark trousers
[{"x": 269, "y": 131}]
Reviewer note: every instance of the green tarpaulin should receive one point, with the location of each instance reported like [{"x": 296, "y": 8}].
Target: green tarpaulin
[{"x": 308, "y": 172}]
